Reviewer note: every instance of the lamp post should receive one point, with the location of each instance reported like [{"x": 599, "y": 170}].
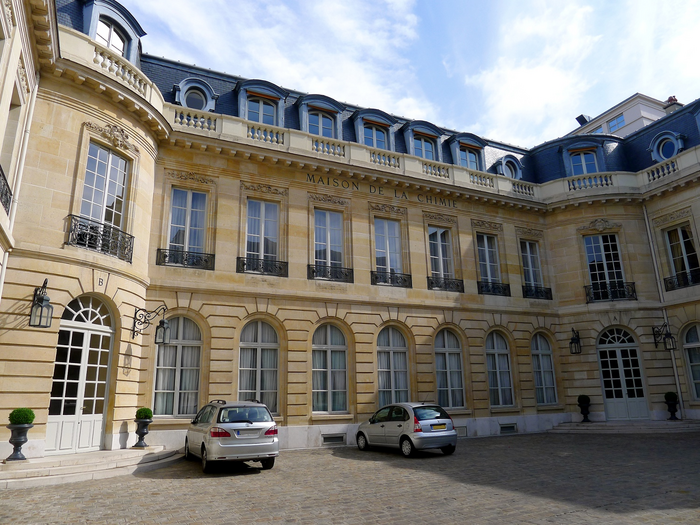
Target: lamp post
[{"x": 42, "y": 311}]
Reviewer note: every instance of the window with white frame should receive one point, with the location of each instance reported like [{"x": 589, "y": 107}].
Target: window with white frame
[
  {"x": 328, "y": 238},
  {"x": 604, "y": 265},
  {"x": 375, "y": 136},
  {"x": 109, "y": 36},
  {"x": 584, "y": 162},
  {"x": 532, "y": 272},
  {"x": 684, "y": 258},
  {"x": 104, "y": 191},
  {"x": 487, "y": 247},
  {"x": 262, "y": 239},
  {"x": 441, "y": 266},
  {"x": 543, "y": 367},
  {"x": 187, "y": 221},
  {"x": 469, "y": 158},
  {"x": 329, "y": 370},
  {"x": 178, "y": 369},
  {"x": 262, "y": 111},
  {"x": 392, "y": 366},
  {"x": 320, "y": 124},
  {"x": 424, "y": 147},
  {"x": 691, "y": 344},
  {"x": 259, "y": 364},
  {"x": 498, "y": 365},
  {"x": 448, "y": 369},
  {"x": 387, "y": 237},
  {"x": 616, "y": 123}
]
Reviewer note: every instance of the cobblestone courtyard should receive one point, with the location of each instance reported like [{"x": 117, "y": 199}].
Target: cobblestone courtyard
[{"x": 544, "y": 478}]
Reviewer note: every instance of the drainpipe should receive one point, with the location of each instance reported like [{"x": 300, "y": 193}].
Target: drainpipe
[
  {"x": 18, "y": 178},
  {"x": 663, "y": 308}
]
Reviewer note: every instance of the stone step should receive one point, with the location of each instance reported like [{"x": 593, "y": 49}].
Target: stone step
[
  {"x": 84, "y": 458},
  {"x": 628, "y": 427}
]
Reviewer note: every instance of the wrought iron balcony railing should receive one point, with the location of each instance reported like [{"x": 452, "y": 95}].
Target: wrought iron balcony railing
[
  {"x": 330, "y": 273},
  {"x": 610, "y": 291},
  {"x": 263, "y": 266},
  {"x": 537, "y": 292},
  {"x": 449, "y": 285},
  {"x": 5, "y": 192},
  {"x": 201, "y": 261},
  {"x": 100, "y": 237},
  {"x": 682, "y": 280},
  {"x": 493, "y": 288},
  {"x": 400, "y": 280}
]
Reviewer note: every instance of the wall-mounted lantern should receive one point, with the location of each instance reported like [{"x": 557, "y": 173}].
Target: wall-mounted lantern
[
  {"x": 143, "y": 318},
  {"x": 663, "y": 333},
  {"x": 575, "y": 343},
  {"x": 42, "y": 311}
]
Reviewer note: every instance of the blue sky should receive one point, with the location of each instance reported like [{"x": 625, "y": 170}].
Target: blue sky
[{"x": 517, "y": 71}]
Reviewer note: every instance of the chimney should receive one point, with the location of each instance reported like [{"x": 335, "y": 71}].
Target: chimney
[
  {"x": 583, "y": 119},
  {"x": 672, "y": 105}
]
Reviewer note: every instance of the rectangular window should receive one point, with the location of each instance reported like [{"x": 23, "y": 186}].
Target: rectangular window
[
  {"x": 681, "y": 249},
  {"x": 328, "y": 238},
  {"x": 104, "y": 191},
  {"x": 187, "y": 221},
  {"x": 448, "y": 368},
  {"x": 329, "y": 381},
  {"x": 584, "y": 162},
  {"x": 320, "y": 124},
  {"x": 375, "y": 137},
  {"x": 487, "y": 246},
  {"x": 423, "y": 147},
  {"x": 598, "y": 130},
  {"x": 616, "y": 123},
  {"x": 263, "y": 230},
  {"x": 441, "y": 265},
  {"x": 605, "y": 270},
  {"x": 388, "y": 246},
  {"x": 532, "y": 273},
  {"x": 469, "y": 158}
]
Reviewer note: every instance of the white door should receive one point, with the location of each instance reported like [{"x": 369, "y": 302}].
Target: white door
[
  {"x": 621, "y": 374},
  {"x": 81, "y": 371}
]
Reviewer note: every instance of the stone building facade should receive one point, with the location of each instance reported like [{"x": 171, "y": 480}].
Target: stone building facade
[{"x": 323, "y": 258}]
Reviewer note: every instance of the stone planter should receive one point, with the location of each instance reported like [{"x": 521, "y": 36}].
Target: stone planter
[
  {"x": 672, "y": 409},
  {"x": 141, "y": 431},
  {"x": 585, "y": 411},
  {"x": 17, "y": 439}
]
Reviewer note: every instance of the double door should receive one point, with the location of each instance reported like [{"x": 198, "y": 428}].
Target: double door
[{"x": 623, "y": 386}]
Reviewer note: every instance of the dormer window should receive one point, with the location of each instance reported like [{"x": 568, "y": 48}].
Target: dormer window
[
  {"x": 320, "y": 115},
  {"x": 195, "y": 93},
  {"x": 320, "y": 124},
  {"x": 510, "y": 167},
  {"x": 374, "y": 129},
  {"x": 467, "y": 151},
  {"x": 261, "y": 102},
  {"x": 262, "y": 111},
  {"x": 585, "y": 157},
  {"x": 423, "y": 139},
  {"x": 424, "y": 147},
  {"x": 583, "y": 162},
  {"x": 195, "y": 99},
  {"x": 468, "y": 158},
  {"x": 375, "y": 136},
  {"x": 666, "y": 145},
  {"x": 109, "y": 36}
]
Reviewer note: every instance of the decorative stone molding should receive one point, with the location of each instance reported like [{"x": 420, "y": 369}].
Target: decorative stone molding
[
  {"x": 600, "y": 225},
  {"x": 487, "y": 225},
  {"x": 115, "y": 134},
  {"x": 22, "y": 75},
  {"x": 672, "y": 217},
  {"x": 387, "y": 208},
  {"x": 190, "y": 176},
  {"x": 528, "y": 232},
  {"x": 327, "y": 199},
  {"x": 439, "y": 217},
  {"x": 9, "y": 13},
  {"x": 262, "y": 188}
]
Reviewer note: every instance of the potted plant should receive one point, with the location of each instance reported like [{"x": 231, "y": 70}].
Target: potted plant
[
  {"x": 144, "y": 417},
  {"x": 671, "y": 400},
  {"x": 21, "y": 420},
  {"x": 584, "y": 403}
]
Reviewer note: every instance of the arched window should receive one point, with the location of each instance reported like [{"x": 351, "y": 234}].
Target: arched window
[
  {"x": 329, "y": 375},
  {"x": 448, "y": 369},
  {"x": 469, "y": 158},
  {"x": 498, "y": 364},
  {"x": 392, "y": 361},
  {"x": 424, "y": 147},
  {"x": 262, "y": 111},
  {"x": 543, "y": 366},
  {"x": 583, "y": 162},
  {"x": 375, "y": 137},
  {"x": 691, "y": 344},
  {"x": 320, "y": 124},
  {"x": 259, "y": 364},
  {"x": 177, "y": 370},
  {"x": 109, "y": 36}
]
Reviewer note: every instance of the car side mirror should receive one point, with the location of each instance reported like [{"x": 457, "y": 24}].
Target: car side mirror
[{"x": 372, "y": 420}]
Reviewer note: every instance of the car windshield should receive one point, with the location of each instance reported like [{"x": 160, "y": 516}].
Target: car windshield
[
  {"x": 252, "y": 414},
  {"x": 430, "y": 412}
]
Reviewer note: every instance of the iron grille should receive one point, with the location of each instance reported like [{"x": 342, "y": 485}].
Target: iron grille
[
  {"x": 5, "y": 192},
  {"x": 201, "y": 261},
  {"x": 263, "y": 266},
  {"x": 537, "y": 292},
  {"x": 449, "y": 285},
  {"x": 610, "y": 291},
  {"x": 493, "y": 288},
  {"x": 331, "y": 273},
  {"x": 99, "y": 237},
  {"x": 682, "y": 280},
  {"x": 400, "y": 280}
]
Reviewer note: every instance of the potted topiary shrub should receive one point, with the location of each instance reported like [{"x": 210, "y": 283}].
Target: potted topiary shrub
[
  {"x": 584, "y": 403},
  {"x": 671, "y": 400},
  {"x": 21, "y": 420},
  {"x": 144, "y": 417}
]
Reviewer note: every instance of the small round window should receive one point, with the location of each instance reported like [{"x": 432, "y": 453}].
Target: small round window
[
  {"x": 667, "y": 148},
  {"x": 195, "y": 99}
]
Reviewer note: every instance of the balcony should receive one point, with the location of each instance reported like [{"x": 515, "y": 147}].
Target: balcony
[
  {"x": 99, "y": 237},
  {"x": 493, "y": 288},
  {"x": 262, "y": 266},
  {"x": 448, "y": 285},
  {"x": 200, "y": 261},
  {"x": 330, "y": 273},
  {"x": 5, "y": 192},
  {"x": 612, "y": 291},
  {"x": 682, "y": 280},
  {"x": 537, "y": 292},
  {"x": 399, "y": 280}
]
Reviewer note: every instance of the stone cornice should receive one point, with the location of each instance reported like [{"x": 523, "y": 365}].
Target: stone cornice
[
  {"x": 387, "y": 208},
  {"x": 189, "y": 176},
  {"x": 440, "y": 217},
  {"x": 529, "y": 232},
  {"x": 672, "y": 217},
  {"x": 265, "y": 188},
  {"x": 328, "y": 199},
  {"x": 479, "y": 224}
]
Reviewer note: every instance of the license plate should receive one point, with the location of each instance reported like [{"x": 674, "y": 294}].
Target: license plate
[
  {"x": 248, "y": 432},
  {"x": 439, "y": 427}
]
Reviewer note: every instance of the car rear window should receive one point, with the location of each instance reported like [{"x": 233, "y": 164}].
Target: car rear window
[
  {"x": 430, "y": 412},
  {"x": 252, "y": 414}
]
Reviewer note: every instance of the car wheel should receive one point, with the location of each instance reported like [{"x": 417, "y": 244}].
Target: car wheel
[
  {"x": 449, "y": 449},
  {"x": 188, "y": 454},
  {"x": 407, "y": 448},
  {"x": 268, "y": 463},
  {"x": 362, "y": 442},
  {"x": 206, "y": 464}
]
